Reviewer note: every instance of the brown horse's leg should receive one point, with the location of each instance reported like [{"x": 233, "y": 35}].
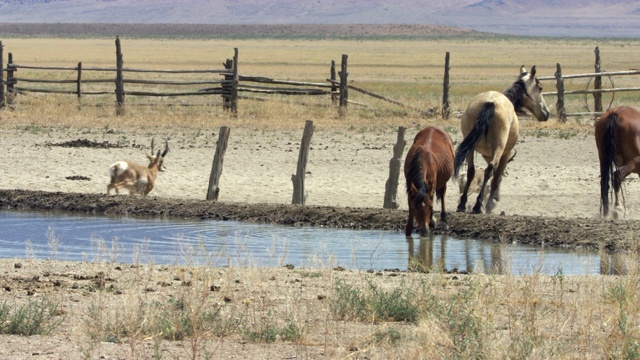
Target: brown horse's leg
[
  {"x": 488, "y": 172},
  {"x": 619, "y": 176},
  {"x": 443, "y": 214},
  {"x": 471, "y": 170},
  {"x": 409, "y": 227}
]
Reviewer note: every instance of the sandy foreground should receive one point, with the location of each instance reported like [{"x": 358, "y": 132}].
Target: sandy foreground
[{"x": 551, "y": 177}]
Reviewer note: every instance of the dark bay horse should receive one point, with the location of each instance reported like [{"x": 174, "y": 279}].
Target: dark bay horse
[
  {"x": 618, "y": 141},
  {"x": 490, "y": 127},
  {"x": 427, "y": 168}
]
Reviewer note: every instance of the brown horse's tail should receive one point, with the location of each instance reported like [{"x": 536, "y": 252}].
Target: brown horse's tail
[
  {"x": 609, "y": 142},
  {"x": 480, "y": 129}
]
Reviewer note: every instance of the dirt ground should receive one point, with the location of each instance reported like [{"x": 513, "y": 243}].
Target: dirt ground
[{"x": 550, "y": 198}]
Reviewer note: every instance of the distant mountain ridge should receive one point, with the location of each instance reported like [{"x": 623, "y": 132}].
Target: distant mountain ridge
[{"x": 580, "y": 18}]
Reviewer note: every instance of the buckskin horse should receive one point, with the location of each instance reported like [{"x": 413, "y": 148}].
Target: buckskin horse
[
  {"x": 618, "y": 140},
  {"x": 427, "y": 168},
  {"x": 490, "y": 127}
]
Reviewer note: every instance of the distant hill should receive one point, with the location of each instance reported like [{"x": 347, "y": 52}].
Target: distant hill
[{"x": 578, "y": 18}]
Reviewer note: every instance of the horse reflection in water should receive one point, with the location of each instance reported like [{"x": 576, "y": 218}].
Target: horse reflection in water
[
  {"x": 425, "y": 259},
  {"x": 427, "y": 169}
]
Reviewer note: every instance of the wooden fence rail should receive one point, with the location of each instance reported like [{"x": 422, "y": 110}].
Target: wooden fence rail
[{"x": 597, "y": 90}]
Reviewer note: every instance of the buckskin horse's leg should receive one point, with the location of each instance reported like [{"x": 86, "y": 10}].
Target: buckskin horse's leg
[
  {"x": 471, "y": 170},
  {"x": 488, "y": 172},
  {"x": 495, "y": 184}
]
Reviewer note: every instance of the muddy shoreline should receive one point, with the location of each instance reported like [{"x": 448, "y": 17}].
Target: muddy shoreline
[{"x": 589, "y": 233}]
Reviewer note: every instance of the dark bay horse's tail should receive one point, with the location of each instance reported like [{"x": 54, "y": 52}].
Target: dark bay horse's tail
[
  {"x": 415, "y": 178},
  {"x": 607, "y": 156},
  {"x": 480, "y": 128}
]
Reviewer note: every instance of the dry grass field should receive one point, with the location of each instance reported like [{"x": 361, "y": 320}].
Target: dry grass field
[
  {"x": 410, "y": 72},
  {"x": 104, "y": 309}
]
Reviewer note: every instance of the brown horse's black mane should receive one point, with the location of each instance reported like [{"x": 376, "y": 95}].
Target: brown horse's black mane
[
  {"x": 415, "y": 177},
  {"x": 516, "y": 94}
]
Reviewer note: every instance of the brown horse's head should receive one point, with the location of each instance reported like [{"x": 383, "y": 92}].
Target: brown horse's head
[
  {"x": 421, "y": 200},
  {"x": 533, "y": 99}
]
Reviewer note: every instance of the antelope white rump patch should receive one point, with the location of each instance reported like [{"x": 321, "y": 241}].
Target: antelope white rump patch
[{"x": 118, "y": 167}]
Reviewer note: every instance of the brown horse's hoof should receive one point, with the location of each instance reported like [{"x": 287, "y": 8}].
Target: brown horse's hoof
[
  {"x": 460, "y": 209},
  {"x": 477, "y": 209}
]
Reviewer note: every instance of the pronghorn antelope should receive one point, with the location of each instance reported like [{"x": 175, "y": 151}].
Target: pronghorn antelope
[{"x": 137, "y": 178}]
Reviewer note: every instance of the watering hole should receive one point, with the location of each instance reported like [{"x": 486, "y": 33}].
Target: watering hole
[{"x": 231, "y": 243}]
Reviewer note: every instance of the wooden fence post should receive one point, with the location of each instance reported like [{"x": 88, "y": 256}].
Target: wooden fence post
[
  {"x": 234, "y": 84},
  {"x": 597, "y": 84},
  {"x": 446, "y": 107},
  {"x": 560, "y": 110},
  {"x": 79, "y": 81},
  {"x": 216, "y": 168},
  {"x": 226, "y": 87},
  {"x": 299, "y": 196},
  {"x": 11, "y": 81},
  {"x": 119, "y": 80},
  {"x": 344, "y": 86},
  {"x": 2, "y": 103},
  {"x": 334, "y": 88},
  {"x": 391, "y": 187}
]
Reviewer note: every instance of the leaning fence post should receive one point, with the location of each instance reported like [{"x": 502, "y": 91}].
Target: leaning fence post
[
  {"x": 299, "y": 196},
  {"x": 79, "y": 81},
  {"x": 216, "y": 167},
  {"x": 234, "y": 84},
  {"x": 2, "y": 103},
  {"x": 562, "y": 112},
  {"x": 446, "y": 107},
  {"x": 391, "y": 187},
  {"x": 597, "y": 84},
  {"x": 344, "y": 87},
  {"x": 119, "y": 80}
]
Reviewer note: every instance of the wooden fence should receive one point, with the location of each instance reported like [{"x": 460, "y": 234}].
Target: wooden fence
[
  {"x": 225, "y": 82},
  {"x": 597, "y": 90}
]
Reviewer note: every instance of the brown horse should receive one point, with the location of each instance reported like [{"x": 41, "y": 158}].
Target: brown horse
[
  {"x": 427, "y": 168},
  {"x": 490, "y": 127},
  {"x": 618, "y": 142}
]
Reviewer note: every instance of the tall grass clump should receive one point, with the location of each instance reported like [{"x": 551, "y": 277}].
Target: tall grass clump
[
  {"x": 36, "y": 317},
  {"x": 374, "y": 303},
  {"x": 623, "y": 325}
]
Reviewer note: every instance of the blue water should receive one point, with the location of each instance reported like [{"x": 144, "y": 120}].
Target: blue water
[{"x": 222, "y": 243}]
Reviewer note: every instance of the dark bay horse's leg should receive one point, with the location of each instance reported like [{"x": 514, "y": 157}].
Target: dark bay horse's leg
[
  {"x": 471, "y": 171},
  {"x": 488, "y": 172},
  {"x": 443, "y": 214},
  {"x": 409, "y": 227},
  {"x": 620, "y": 174}
]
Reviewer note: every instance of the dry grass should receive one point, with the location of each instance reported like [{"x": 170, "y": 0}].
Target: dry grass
[
  {"x": 493, "y": 317},
  {"x": 407, "y": 71}
]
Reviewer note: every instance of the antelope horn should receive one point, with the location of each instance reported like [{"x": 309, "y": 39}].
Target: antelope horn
[
  {"x": 166, "y": 148},
  {"x": 152, "y": 139}
]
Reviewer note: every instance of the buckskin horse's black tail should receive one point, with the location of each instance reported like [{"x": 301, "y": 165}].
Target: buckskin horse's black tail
[
  {"x": 480, "y": 128},
  {"x": 607, "y": 167}
]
